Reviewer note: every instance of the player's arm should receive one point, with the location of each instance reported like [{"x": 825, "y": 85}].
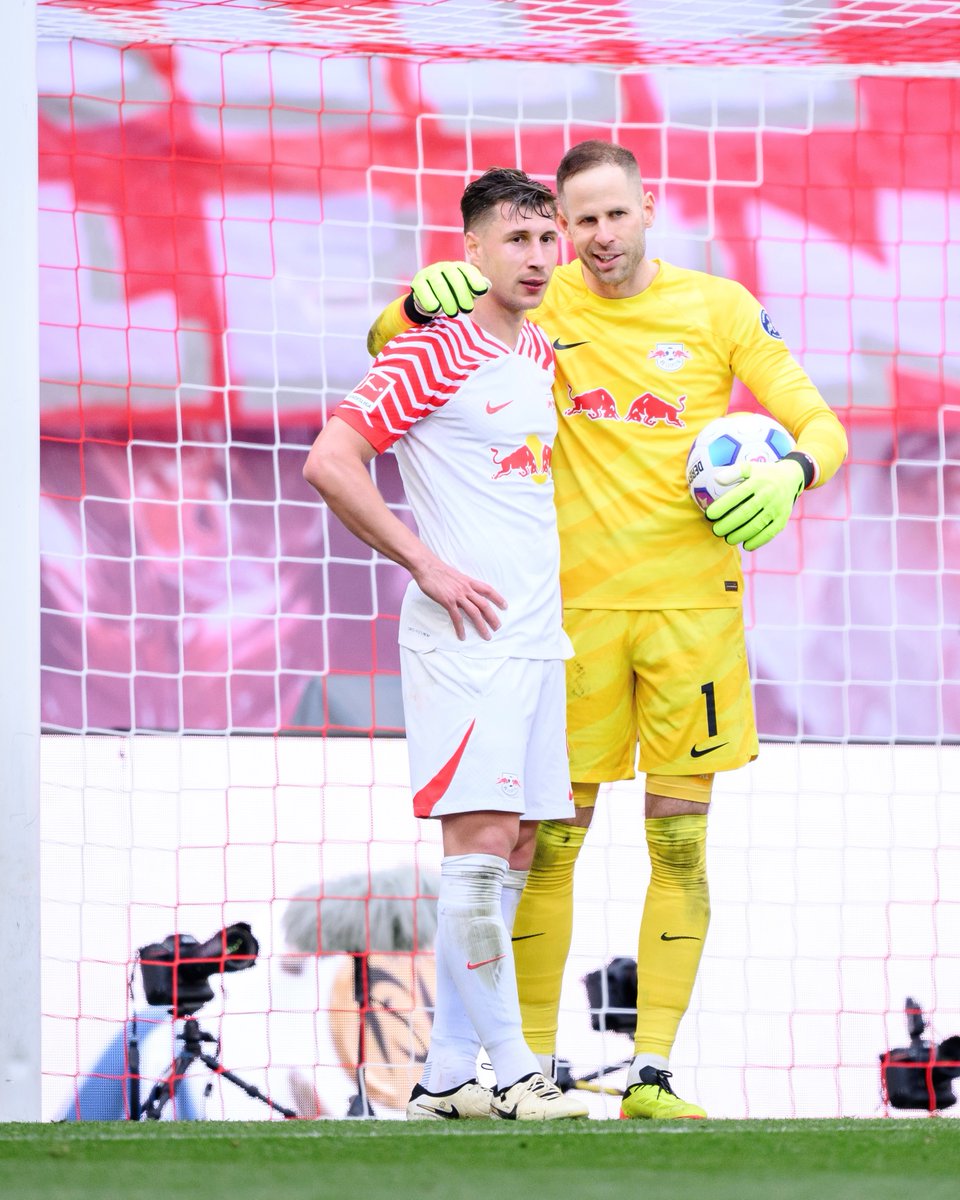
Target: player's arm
[
  {"x": 796, "y": 403},
  {"x": 444, "y": 288},
  {"x": 755, "y": 512},
  {"x": 762, "y": 360},
  {"x": 337, "y": 467}
]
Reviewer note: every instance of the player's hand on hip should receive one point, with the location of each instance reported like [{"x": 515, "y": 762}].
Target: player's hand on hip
[
  {"x": 757, "y": 509},
  {"x": 465, "y": 599},
  {"x": 448, "y": 287}
]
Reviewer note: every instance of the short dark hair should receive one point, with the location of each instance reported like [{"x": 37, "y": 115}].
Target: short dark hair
[
  {"x": 595, "y": 153},
  {"x": 505, "y": 185}
]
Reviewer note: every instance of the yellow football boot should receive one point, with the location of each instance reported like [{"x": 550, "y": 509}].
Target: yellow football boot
[{"x": 653, "y": 1099}]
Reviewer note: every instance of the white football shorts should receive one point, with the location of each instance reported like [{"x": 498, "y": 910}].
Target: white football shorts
[{"x": 486, "y": 734}]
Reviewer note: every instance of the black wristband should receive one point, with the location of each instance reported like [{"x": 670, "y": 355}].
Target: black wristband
[
  {"x": 414, "y": 314},
  {"x": 806, "y": 464}
]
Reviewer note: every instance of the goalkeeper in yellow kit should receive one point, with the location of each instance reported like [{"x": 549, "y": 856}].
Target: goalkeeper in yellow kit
[{"x": 646, "y": 356}]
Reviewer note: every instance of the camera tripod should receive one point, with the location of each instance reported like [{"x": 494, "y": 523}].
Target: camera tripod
[
  {"x": 193, "y": 1038},
  {"x": 592, "y": 1082}
]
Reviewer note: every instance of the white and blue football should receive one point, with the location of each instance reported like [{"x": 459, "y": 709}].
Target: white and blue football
[{"x": 727, "y": 442}]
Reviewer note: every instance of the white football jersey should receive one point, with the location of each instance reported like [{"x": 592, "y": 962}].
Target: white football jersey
[{"x": 472, "y": 423}]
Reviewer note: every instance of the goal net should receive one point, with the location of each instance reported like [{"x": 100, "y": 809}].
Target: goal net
[{"x": 230, "y": 190}]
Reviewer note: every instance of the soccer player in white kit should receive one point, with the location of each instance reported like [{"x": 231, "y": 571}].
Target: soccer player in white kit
[{"x": 466, "y": 403}]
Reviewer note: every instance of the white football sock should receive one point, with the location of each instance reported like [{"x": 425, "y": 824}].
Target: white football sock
[
  {"x": 548, "y": 1066},
  {"x": 645, "y": 1060},
  {"x": 454, "y": 1044},
  {"x": 477, "y": 953},
  {"x": 513, "y": 884}
]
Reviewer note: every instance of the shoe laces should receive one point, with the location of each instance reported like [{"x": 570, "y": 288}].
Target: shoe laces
[
  {"x": 544, "y": 1087},
  {"x": 661, "y": 1079},
  {"x": 537, "y": 1086}
]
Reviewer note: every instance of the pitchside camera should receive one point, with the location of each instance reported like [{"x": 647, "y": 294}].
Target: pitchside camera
[
  {"x": 920, "y": 1075},
  {"x": 176, "y": 971},
  {"x": 612, "y": 996}
]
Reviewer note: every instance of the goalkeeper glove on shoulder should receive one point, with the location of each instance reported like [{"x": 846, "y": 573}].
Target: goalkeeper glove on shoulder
[
  {"x": 444, "y": 287},
  {"x": 755, "y": 511}
]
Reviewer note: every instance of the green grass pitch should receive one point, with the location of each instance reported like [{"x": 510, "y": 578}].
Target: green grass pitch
[{"x": 383, "y": 1160}]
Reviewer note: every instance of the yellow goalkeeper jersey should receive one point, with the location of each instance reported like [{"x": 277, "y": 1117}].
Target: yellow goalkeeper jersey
[{"x": 636, "y": 381}]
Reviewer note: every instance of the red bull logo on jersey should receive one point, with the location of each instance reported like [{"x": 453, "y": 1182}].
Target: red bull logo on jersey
[
  {"x": 669, "y": 356},
  {"x": 529, "y": 461},
  {"x": 597, "y": 404},
  {"x": 508, "y": 784},
  {"x": 519, "y": 461},
  {"x": 649, "y": 409}
]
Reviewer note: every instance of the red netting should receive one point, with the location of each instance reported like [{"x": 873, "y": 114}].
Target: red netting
[
  {"x": 219, "y": 223},
  {"x": 218, "y": 229},
  {"x": 676, "y": 32}
]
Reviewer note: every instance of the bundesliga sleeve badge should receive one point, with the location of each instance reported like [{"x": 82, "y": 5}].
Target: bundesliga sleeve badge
[
  {"x": 768, "y": 325},
  {"x": 368, "y": 394}
]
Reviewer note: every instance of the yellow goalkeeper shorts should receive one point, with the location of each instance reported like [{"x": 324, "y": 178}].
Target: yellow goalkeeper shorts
[{"x": 675, "y": 684}]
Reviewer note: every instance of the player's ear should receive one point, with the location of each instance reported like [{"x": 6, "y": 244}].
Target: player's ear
[
  {"x": 649, "y": 209},
  {"x": 562, "y": 223},
  {"x": 471, "y": 248}
]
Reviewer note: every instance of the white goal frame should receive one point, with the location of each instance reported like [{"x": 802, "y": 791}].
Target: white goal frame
[
  {"x": 923, "y": 770},
  {"x": 20, "y": 1006}
]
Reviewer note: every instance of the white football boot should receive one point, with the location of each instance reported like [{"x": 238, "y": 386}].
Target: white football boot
[
  {"x": 534, "y": 1098},
  {"x": 458, "y": 1103}
]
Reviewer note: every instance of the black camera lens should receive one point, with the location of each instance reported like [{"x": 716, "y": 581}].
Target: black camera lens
[
  {"x": 176, "y": 971},
  {"x": 612, "y": 996},
  {"x": 920, "y": 1076}
]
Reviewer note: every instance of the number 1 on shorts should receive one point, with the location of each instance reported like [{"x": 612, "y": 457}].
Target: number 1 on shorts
[{"x": 710, "y": 699}]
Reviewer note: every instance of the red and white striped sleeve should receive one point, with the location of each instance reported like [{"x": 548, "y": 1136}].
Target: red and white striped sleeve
[
  {"x": 535, "y": 344},
  {"x": 416, "y": 373}
]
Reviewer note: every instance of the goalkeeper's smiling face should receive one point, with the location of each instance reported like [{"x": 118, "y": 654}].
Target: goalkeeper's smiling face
[
  {"x": 517, "y": 252},
  {"x": 606, "y": 214}
]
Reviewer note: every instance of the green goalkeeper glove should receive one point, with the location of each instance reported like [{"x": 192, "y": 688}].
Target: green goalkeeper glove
[
  {"x": 757, "y": 510},
  {"x": 450, "y": 287}
]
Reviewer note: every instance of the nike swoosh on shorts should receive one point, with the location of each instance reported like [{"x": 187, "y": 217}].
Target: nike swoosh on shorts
[{"x": 695, "y": 753}]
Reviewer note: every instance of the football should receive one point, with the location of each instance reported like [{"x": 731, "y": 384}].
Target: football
[{"x": 727, "y": 441}]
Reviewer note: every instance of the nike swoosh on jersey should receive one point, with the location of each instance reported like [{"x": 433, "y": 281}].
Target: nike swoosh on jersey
[
  {"x": 558, "y": 345},
  {"x": 495, "y": 408},
  {"x": 483, "y": 962},
  {"x": 523, "y": 936},
  {"x": 695, "y": 753},
  {"x": 678, "y": 937}
]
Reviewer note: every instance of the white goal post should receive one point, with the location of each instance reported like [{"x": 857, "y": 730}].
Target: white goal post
[{"x": 20, "y": 1003}]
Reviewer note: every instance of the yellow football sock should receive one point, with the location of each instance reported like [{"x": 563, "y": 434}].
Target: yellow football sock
[
  {"x": 676, "y": 914},
  {"x": 542, "y": 931}
]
